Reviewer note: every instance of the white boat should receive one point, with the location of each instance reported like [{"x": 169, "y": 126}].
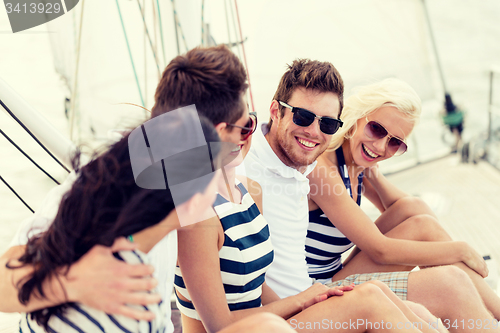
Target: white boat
[{"x": 365, "y": 39}]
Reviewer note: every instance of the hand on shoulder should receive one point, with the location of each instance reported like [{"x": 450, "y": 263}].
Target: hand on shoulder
[{"x": 103, "y": 282}]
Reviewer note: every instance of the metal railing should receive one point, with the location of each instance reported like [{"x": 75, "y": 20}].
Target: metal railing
[
  {"x": 492, "y": 146},
  {"x": 491, "y": 104},
  {"x": 59, "y": 147}
]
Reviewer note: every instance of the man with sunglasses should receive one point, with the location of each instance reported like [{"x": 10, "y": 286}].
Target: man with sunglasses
[
  {"x": 304, "y": 114},
  {"x": 284, "y": 152}
]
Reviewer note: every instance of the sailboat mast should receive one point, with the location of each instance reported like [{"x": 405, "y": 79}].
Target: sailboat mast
[{"x": 434, "y": 47}]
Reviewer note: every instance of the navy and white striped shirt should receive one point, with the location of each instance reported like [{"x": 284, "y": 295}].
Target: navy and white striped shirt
[
  {"x": 325, "y": 243},
  {"x": 80, "y": 318},
  {"x": 245, "y": 256}
]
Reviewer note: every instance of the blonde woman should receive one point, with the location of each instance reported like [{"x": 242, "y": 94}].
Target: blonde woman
[{"x": 378, "y": 119}]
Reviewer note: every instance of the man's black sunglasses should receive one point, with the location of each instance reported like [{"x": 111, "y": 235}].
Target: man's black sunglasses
[{"x": 304, "y": 118}]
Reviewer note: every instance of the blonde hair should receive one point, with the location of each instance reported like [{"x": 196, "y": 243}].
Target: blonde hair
[{"x": 369, "y": 98}]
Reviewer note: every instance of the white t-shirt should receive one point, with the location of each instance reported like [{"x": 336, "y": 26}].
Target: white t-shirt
[
  {"x": 286, "y": 210},
  {"x": 163, "y": 256}
]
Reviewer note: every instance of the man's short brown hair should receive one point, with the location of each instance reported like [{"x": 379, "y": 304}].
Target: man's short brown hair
[
  {"x": 309, "y": 74},
  {"x": 212, "y": 78}
]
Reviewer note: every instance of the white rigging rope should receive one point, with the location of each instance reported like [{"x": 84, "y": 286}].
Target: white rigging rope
[{"x": 75, "y": 79}]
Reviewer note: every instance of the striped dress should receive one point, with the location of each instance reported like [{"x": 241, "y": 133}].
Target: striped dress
[
  {"x": 244, "y": 257},
  {"x": 325, "y": 243},
  {"x": 80, "y": 318}
]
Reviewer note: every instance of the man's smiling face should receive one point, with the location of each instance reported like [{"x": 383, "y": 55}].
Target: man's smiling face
[{"x": 297, "y": 146}]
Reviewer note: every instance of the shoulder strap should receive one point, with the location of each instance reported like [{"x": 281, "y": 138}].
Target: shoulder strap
[{"x": 344, "y": 173}]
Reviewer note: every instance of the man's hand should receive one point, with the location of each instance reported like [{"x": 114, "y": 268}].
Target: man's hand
[{"x": 105, "y": 283}]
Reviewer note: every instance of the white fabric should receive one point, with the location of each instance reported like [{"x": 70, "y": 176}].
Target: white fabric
[
  {"x": 163, "y": 256},
  {"x": 286, "y": 210}
]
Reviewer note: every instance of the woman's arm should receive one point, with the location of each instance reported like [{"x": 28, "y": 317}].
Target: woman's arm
[
  {"x": 348, "y": 217},
  {"x": 268, "y": 295},
  {"x": 98, "y": 280},
  {"x": 378, "y": 186},
  {"x": 371, "y": 194},
  {"x": 198, "y": 257}
]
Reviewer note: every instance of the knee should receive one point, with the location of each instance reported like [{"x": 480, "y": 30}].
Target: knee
[
  {"x": 372, "y": 300},
  {"x": 451, "y": 280},
  {"x": 421, "y": 311},
  {"x": 411, "y": 204},
  {"x": 426, "y": 227},
  {"x": 456, "y": 276},
  {"x": 370, "y": 291},
  {"x": 380, "y": 285}
]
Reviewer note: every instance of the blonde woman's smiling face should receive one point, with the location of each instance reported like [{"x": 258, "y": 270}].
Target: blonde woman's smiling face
[{"x": 367, "y": 151}]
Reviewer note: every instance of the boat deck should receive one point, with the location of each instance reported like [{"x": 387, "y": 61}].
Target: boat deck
[{"x": 465, "y": 197}]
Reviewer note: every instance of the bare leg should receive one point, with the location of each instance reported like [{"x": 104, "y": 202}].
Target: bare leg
[
  {"x": 365, "y": 309},
  {"x": 422, "y": 227},
  {"x": 402, "y": 210},
  {"x": 422, "y": 312},
  {"x": 490, "y": 298},
  {"x": 426, "y": 228},
  {"x": 262, "y": 323},
  {"x": 419, "y": 227},
  {"x": 416, "y": 313},
  {"x": 450, "y": 295}
]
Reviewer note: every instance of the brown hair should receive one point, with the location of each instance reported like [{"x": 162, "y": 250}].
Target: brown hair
[
  {"x": 212, "y": 78},
  {"x": 310, "y": 74}
]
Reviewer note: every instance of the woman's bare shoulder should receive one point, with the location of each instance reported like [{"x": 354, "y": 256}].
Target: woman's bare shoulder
[{"x": 326, "y": 166}]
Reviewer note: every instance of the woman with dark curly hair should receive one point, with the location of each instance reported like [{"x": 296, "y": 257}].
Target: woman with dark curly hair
[{"x": 158, "y": 178}]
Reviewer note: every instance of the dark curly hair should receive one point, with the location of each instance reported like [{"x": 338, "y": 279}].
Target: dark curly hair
[{"x": 104, "y": 203}]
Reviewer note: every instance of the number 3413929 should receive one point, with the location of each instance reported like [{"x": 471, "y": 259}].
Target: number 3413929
[
  {"x": 471, "y": 324},
  {"x": 32, "y": 8}
]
